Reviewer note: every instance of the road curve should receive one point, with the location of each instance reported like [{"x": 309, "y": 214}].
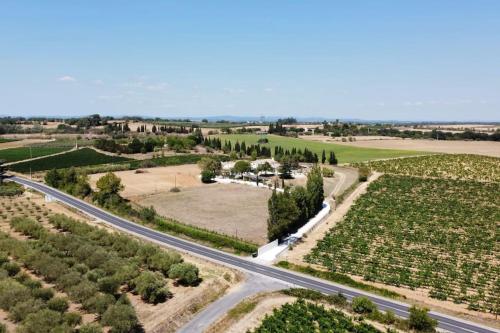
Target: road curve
[{"x": 448, "y": 323}]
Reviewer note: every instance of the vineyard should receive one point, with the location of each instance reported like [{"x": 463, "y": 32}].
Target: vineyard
[
  {"x": 23, "y": 153},
  {"x": 76, "y": 158},
  {"x": 92, "y": 269},
  {"x": 438, "y": 234},
  {"x": 303, "y": 316},
  {"x": 449, "y": 166}
]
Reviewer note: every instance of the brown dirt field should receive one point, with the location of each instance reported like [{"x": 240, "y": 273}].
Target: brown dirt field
[
  {"x": 22, "y": 143},
  {"x": 154, "y": 180},
  {"x": 232, "y": 209}
]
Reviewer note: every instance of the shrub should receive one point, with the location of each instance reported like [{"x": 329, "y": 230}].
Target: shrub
[
  {"x": 420, "y": 320},
  {"x": 185, "y": 273},
  {"x": 121, "y": 318},
  {"x": 12, "y": 292},
  {"x": 69, "y": 279},
  {"x": 83, "y": 291},
  {"x": 72, "y": 318},
  {"x": 207, "y": 176},
  {"x": 3, "y": 328},
  {"x": 327, "y": 172},
  {"x": 99, "y": 303},
  {"x": 148, "y": 214},
  {"x": 363, "y": 173},
  {"x": 151, "y": 286},
  {"x": 12, "y": 268},
  {"x": 363, "y": 305},
  {"x": 162, "y": 261},
  {"x": 22, "y": 309},
  {"x": 59, "y": 304},
  {"x": 90, "y": 328},
  {"x": 108, "y": 285},
  {"x": 43, "y": 321},
  {"x": 10, "y": 189},
  {"x": 44, "y": 294}
]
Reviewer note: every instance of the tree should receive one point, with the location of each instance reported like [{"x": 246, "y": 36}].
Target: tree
[
  {"x": 315, "y": 190},
  {"x": 301, "y": 198},
  {"x": 241, "y": 167},
  {"x": 109, "y": 187},
  {"x": 2, "y": 171},
  {"x": 420, "y": 320},
  {"x": 286, "y": 167},
  {"x": 211, "y": 164},
  {"x": 332, "y": 160},
  {"x": 185, "y": 273},
  {"x": 323, "y": 157},
  {"x": 265, "y": 167},
  {"x": 151, "y": 286},
  {"x": 283, "y": 214},
  {"x": 121, "y": 318}
]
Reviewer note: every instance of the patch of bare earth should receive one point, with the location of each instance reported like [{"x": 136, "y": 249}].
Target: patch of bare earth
[
  {"x": 488, "y": 148},
  {"x": 154, "y": 180},
  {"x": 232, "y": 209},
  {"x": 21, "y": 143}
]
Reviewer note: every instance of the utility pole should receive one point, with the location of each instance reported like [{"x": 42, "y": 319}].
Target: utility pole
[{"x": 31, "y": 156}]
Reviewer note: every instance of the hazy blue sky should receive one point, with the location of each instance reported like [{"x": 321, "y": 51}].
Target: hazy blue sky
[{"x": 407, "y": 60}]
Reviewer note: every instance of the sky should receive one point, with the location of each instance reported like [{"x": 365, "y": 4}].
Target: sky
[{"x": 374, "y": 60}]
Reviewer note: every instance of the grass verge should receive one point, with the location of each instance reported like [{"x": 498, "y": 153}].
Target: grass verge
[
  {"x": 213, "y": 238},
  {"x": 341, "y": 279}
]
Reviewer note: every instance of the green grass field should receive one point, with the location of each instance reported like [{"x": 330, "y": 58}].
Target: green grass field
[
  {"x": 23, "y": 153},
  {"x": 345, "y": 154},
  {"x": 82, "y": 157}
]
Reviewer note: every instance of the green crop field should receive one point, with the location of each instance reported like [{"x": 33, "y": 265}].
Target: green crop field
[
  {"x": 23, "y": 153},
  {"x": 438, "y": 234},
  {"x": 345, "y": 154},
  {"x": 76, "y": 158}
]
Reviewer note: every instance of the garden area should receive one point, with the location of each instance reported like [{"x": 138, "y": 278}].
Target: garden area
[{"x": 436, "y": 234}]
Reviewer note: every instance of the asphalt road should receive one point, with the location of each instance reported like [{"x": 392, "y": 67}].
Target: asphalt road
[{"x": 448, "y": 323}]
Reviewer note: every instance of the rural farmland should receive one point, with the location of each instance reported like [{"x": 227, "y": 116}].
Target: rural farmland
[{"x": 345, "y": 154}]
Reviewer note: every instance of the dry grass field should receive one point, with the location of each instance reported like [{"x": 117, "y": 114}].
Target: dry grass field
[
  {"x": 231, "y": 209},
  {"x": 488, "y": 148},
  {"x": 155, "y": 180}
]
